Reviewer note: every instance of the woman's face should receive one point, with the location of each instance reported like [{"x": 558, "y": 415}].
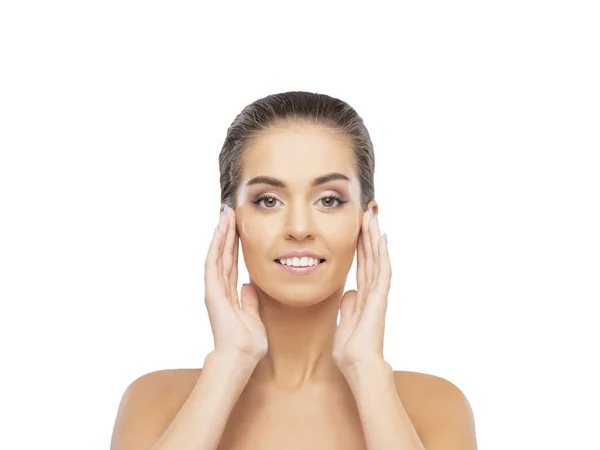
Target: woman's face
[{"x": 292, "y": 213}]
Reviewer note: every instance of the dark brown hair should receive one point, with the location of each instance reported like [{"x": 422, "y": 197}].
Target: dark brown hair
[{"x": 305, "y": 107}]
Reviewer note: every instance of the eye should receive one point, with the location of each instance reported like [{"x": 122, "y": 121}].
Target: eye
[
  {"x": 268, "y": 200},
  {"x": 331, "y": 199}
]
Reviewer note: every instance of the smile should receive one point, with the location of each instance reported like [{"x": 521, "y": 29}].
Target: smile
[{"x": 300, "y": 270}]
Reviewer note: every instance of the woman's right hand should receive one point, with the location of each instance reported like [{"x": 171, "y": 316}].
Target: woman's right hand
[{"x": 237, "y": 331}]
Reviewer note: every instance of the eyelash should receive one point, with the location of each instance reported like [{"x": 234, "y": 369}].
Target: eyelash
[{"x": 339, "y": 199}]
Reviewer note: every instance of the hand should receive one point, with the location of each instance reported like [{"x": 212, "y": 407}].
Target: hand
[
  {"x": 236, "y": 331},
  {"x": 359, "y": 336}
]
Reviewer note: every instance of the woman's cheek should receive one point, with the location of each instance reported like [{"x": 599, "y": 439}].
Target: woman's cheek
[
  {"x": 355, "y": 229},
  {"x": 250, "y": 228},
  {"x": 244, "y": 229},
  {"x": 343, "y": 235},
  {"x": 252, "y": 231},
  {"x": 350, "y": 227},
  {"x": 246, "y": 233}
]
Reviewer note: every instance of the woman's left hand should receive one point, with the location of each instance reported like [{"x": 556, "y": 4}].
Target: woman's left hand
[{"x": 359, "y": 336}]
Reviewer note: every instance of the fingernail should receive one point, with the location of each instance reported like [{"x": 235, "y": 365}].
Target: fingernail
[
  {"x": 377, "y": 219},
  {"x": 215, "y": 232},
  {"x": 225, "y": 209},
  {"x": 385, "y": 237},
  {"x": 371, "y": 211}
]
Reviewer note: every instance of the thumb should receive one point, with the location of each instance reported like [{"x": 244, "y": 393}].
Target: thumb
[
  {"x": 249, "y": 299},
  {"x": 347, "y": 306}
]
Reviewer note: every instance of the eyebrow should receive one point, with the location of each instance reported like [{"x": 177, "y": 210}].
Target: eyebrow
[{"x": 316, "y": 182}]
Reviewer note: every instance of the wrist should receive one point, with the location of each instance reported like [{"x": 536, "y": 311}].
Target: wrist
[
  {"x": 234, "y": 360},
  {"x": 373, "y": 367}
]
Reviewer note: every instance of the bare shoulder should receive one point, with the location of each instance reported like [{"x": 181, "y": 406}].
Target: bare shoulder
[
  {"x": 148, "y": 406},
  {"x": 438, "y": 409}
]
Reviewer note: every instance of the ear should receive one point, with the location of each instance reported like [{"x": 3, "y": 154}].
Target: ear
[{"x": 373, "y": 204}]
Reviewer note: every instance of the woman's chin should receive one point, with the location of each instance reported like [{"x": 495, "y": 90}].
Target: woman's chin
[{"x": 300, "y": 295}]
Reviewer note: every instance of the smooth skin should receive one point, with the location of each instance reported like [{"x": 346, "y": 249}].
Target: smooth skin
[
  {"x": 359, "y": 336},
  {"x": 237, "y": 329},
  {"x": 249, "y": 394}
]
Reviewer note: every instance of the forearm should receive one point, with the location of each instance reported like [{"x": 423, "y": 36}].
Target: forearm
[
  {"x": 385, "y": 423},
  {"x": 201, "y": 421}
]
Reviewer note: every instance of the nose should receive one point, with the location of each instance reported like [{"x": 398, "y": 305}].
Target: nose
[{"x": 299, "y": 222}]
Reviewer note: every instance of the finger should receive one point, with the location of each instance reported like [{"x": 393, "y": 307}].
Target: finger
[
  {"x": 375, "y": 238},
  {"x": 367, "y": 266},
  {"x": 368, "y": 249},
  {"x": 211, "y": 264},
  {"x": 360, "y": 264},
  {"x": 228, "y": 246},
  {"x": 360, "y": 272},
  {"x": 221, "y": 230},
  {"x": 234, "y": 272},
  {"x": 228, "y": 258},
  {"x": 385, "y": 268}
]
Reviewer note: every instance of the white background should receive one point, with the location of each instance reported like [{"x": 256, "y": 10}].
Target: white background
[{"x": 485, "y": 119}]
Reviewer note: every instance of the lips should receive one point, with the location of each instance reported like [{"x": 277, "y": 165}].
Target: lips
[{"x": 300, "y": 253}]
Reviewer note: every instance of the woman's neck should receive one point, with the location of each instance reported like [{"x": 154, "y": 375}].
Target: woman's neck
[{"x": 300, "y": 343}]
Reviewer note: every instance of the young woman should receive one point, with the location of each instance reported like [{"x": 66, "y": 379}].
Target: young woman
[{"x": 297, "y": 193}]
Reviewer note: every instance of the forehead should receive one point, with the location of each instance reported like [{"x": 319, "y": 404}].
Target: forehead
[{"x": 292, "y": 150}]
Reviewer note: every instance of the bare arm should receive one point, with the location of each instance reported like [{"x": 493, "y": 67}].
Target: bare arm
[
  {"x": 386, "y": 423},
  {"x": 200, "y": 422},
  {"x": 447, "y": 418}
]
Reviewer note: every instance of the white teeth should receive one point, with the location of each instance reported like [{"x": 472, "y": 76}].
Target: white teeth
[{"x": 305, "y": 261}]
